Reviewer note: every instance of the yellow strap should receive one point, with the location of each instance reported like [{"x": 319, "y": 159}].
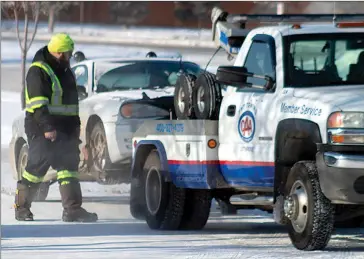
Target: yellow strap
[
  {"x": 66, "y": 174},
  {"x": 32, "y": 178}
]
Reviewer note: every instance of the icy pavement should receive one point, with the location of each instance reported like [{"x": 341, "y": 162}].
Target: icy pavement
[{"x": 117, "y": 235}]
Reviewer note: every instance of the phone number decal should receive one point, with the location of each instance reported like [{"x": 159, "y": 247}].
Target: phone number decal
[{"x": 169, "y": 127}]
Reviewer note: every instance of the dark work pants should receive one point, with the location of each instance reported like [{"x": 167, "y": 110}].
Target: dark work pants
[{"x": 62, "y": 155}]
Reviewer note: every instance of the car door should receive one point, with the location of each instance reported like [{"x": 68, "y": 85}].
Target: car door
[
  {"x": 82, "y": 78},
  {"x": 244, "y": 142}
]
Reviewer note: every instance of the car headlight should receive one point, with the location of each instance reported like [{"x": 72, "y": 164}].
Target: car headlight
[
  {"x": 346, "y": 128},
  {"x": 142, "y": 111}
]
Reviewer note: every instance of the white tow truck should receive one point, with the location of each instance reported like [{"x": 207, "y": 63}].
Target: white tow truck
[{"x": 287, "y": 137}]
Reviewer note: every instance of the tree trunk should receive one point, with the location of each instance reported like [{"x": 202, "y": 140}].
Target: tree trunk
[
  {"x": 23, "y": 62},
  {"x": 82, "y": 15},
  {"x": 24, "y": 50},
  {"x": 51, "y": 19}
]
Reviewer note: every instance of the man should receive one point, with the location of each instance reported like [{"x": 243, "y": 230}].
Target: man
[{"x": 52, "y": 125}]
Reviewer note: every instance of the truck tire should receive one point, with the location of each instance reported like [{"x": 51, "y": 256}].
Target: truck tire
[
  {"x": 311, "y": 214},
  {"x": 206, "y": 97},
  {"x": 183, "y": 96},
  {"x": 164, "y": 201},
  {"x": 137, "y": 200},
  {"x": 196, "y": 210}
]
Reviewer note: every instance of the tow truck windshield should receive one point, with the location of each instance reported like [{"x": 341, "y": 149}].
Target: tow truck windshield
[{"x": 324, "y": 59}]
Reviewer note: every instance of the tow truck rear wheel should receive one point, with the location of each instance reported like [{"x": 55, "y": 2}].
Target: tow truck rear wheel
[
  {"x": 164, "y": 201},
  {"x": 196, "y": 210},
  {"x": 310, "y": 213},
  {"x": 183, "y": 96}
]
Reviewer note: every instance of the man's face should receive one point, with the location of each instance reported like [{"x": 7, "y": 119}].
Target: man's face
[{"x": 66, "y": 56}]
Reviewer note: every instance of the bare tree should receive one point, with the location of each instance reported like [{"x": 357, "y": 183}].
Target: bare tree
[
  {"x": 184, "y": 11},
  {"x": 30, "y": 10},
  {"x": 53, "y": 8},
  {"x": 128, "y": 13}
]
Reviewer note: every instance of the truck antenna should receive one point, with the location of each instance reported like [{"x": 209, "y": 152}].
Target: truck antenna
[{"x": 334, "y": 17}]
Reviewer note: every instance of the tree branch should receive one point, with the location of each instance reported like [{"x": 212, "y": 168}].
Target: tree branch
[
  {"x": 17, "y": 27},
  {"x": 36, "y": 19},
  {"x": 26, "y": 24}
]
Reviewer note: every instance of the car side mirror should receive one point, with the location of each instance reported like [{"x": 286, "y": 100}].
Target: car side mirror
[
  {"x": 237, "y": 76},
  {"x": 82, "y": 94}
]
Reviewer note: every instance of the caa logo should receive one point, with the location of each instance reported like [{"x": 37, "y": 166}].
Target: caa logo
[{"x": 246, "y": 126}]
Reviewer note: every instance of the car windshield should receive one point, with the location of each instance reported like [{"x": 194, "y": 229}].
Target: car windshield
[
  {"x": 144, "y": 75},
  {"x": 324, "y": 59}
]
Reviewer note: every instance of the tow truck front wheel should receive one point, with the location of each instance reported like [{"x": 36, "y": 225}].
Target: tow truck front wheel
[
  {"x": 310, "y": 213},
  {"x": 163, "y": 200}
]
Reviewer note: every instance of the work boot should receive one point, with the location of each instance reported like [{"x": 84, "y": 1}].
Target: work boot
[
  {"x": 24, "y": 196},
  {"x": 71, "y": 201}
]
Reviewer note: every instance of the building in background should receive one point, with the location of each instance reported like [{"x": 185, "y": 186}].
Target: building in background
[{"x": 181, "y": 14}]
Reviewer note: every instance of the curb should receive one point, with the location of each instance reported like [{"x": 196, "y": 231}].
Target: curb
[{"x": 127, "y": 41}]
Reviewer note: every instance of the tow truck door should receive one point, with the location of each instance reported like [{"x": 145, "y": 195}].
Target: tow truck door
[{"x": 246, "y": 142}]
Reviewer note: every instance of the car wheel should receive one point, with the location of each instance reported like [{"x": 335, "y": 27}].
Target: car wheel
[
  {"x": 99, "y": 153},
  {"x": 206, "y": 97},
  {"x": 183, "y": 96},
  {"x": 164, "y": 201},
  {"x": 22, "y": 160},
  {"x": 43, "y": 189},
  {"x": 310, "y": 213}
]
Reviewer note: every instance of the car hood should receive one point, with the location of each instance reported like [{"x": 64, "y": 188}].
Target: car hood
[
  {"x": 130, "y": 95},
  {"x": 346, "y": 98}
]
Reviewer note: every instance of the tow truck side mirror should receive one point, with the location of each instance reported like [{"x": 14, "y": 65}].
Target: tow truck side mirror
[
  {"x": 232, "y": 75},
  {"x": 237, "y": 76}
]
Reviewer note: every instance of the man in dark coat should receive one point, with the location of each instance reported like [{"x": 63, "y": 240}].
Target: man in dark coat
[{"x": 52, "y": 126}]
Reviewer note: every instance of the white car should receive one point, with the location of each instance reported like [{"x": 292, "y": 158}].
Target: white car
[{"x": 104, "y": 84}]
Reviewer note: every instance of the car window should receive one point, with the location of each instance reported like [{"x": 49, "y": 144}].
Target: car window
[
  {"x": 259, "y": 62},
  {"x": 81, "y": 75},
  {"x": 143, "y": 75},
  {"x": 325, "y": 60}
]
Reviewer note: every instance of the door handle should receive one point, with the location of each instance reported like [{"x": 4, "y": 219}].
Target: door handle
[{"x": 231, "y": 110}]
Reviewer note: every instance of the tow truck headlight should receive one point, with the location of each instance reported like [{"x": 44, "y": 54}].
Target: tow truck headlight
[{"x": 346, "y": 128}]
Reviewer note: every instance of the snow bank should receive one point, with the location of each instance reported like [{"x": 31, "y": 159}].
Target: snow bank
[{"x": 10, "y": 108}]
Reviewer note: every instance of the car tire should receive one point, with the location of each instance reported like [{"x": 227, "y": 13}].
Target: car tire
[
  {"x": 196, "y": 210},
  {"x": 311, "y": 221},
  {"x": 164, "y": 201},
  {"x": 183, "y": 96},
  {"x": 101, "y": 162},
  {"x": 43, "y": 188},
  {"x": 206, "y": 97}
]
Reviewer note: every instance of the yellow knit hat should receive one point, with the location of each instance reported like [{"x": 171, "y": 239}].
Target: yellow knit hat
[{"x": 60, "y": 42}]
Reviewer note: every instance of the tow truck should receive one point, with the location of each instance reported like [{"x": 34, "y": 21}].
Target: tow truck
[{"x": 287, "y": 137}]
